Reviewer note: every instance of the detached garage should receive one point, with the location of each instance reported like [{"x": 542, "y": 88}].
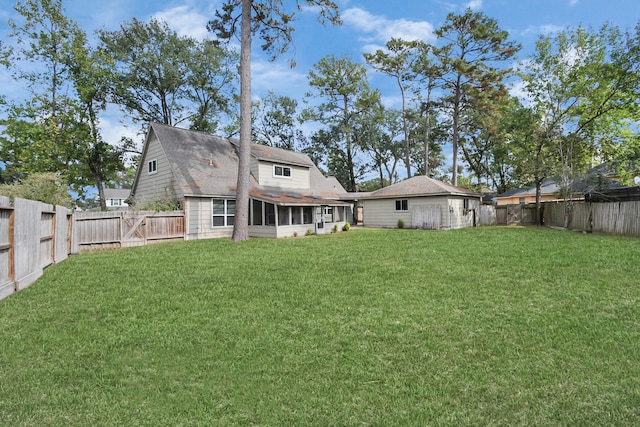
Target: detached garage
[{"x": 420, "y": 202}]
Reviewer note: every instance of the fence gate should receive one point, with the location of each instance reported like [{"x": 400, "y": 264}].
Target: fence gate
[
  {"x": 426, "y": 217},
  {"x": 133, "y": 229},
  {"x": 514, "y": 215}
]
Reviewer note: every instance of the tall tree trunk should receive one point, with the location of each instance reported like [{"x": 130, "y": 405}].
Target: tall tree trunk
[
  {"x": 454, "y": 139},
  {"x": 427, "y": 131},
  {"x": 407, "y": 147},
  {"x": 241, "y": 225}
]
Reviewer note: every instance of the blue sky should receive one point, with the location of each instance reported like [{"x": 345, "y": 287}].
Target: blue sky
[{"x": 368, "y": 24}]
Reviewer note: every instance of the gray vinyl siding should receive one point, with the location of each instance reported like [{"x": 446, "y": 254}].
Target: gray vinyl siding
[
  {"x": 199, "y": 220},
  {"x": 382, "y": 212},
  {"x": 300, "y": 176},
  {"x": 159, "y": 185}
]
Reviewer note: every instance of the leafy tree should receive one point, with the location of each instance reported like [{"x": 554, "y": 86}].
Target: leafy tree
[
  {"x": 342, "y": 85},
  {"x": 38, "y": 134},
  {"x": 275, "y": 122},
  {"x": 274, "y": 24},
  {"x": 152, "y": 65},
  {"x": 473, "y": 46},
  {"x": 382, "y": 143},
  {"x": 428, "y": 72},
  {"x": 91, "y": 73},
  {"x": 578, "y": 81},
  {"x": 45, "y": 187},
  {"x": 399, "y": 61},
  {"x": 211, "y": 85}
]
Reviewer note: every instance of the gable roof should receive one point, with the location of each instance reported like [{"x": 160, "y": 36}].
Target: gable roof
[
  {"x": 207, "y": 165},
  {"x": 116, "y": 193},
  {"x": 418, "y": 186}
]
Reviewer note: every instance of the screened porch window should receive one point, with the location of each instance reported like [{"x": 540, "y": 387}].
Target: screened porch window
[
  {"x": 307, "y": 215},
  {"x": 283, "y": 215},
  {"x": 269, "y": 214},
  {"x": 296, "y": 215},
  {"x": 256, "y": 212}
]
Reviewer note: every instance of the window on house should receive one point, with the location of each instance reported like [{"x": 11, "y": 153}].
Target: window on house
[
  {"x": 521, "y": 200},
  {"x": 402, "y": 205},
  {"x": 153, "y": 166},
  {"x": 224, "y": 212},
  {"x": 296, "y": 215},
  {"x": 283, "y": 215},
  {"x": 307, "y": 215},
  {"x": 465, "y": 204},
  {"x": 116, "y": 202},
  {"x": 269, "y": 214},
  {"x": 256, "y": 212},
  {"x": 284, "y": 171}
]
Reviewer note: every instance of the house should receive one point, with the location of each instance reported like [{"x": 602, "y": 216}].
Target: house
[
  {"x": 420, "y": 202},
  {"x": 288, "y": 194},
  {"x": 116, "y": 198},
  {"x": 596, "y": 179}
]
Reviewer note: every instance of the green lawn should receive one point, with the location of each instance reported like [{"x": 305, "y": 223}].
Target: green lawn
[{"x": 485, "y": 326}]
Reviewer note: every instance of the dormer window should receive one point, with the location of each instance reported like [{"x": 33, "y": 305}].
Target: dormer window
[{"x": 282, "y": 171}]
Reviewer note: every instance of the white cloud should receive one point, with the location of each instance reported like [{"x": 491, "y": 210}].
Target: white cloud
[
  {"x": 573, "y": 2},
  {"x": 185, "y": 21},
  {"x": 475, "y": 4},
  {"x": 546, "y": 29},
  {"x": 280, "y": 78},
  {"x": 380, "y": 28}
]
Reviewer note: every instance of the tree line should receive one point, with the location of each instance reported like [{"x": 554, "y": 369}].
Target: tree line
[{"x": 504, "y": 121}]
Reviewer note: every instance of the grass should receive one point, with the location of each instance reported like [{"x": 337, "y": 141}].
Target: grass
[{"x": 488, "y": 326}]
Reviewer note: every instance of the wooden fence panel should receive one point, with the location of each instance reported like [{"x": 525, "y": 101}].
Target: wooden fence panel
[
  {"x": 62, "y": 234},
  {"x": 7, "y": 284},
  {"x": 487, "y": 215},
  {"x": 162, "y": 226},
  {"x": 96, "y": 230},
  {"x": 617, "y": 218},
  {"x": 501, "y": 215},
  {"x": 28, "y": 224},
  {"x": 110, "y": 230}
]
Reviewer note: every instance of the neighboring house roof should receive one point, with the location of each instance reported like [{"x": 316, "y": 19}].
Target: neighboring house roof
[
  {"x": 206, "y": 165},
  {"x": 594, "y": 179},
  {"x": 116, "y": 193},
  {"x": 419, "y": 186}
]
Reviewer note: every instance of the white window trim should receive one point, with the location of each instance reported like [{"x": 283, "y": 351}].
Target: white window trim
[
  {"x": 225, "y": 215},
  {"x": 155, "y": 164},
  {"x": 283, "y": 167}
]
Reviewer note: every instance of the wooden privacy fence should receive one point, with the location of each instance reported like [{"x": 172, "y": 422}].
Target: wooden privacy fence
[
  {"x": 515, "y": 215},
  {"x": 121, "y": 229},
  {"x": 621, "y": 218},
  {"x": 34, "y": 235}
]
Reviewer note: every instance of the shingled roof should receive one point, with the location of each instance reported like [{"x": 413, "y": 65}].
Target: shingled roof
[
  {"x": 420, "y": 186},
  {"x": 207, "y": 165}
]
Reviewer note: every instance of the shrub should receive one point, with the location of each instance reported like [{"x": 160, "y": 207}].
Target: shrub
[
  {"x": 309, "y": 232},
  {"x": 346, "y": 226},
  {"x": 400, "y": 223},
  {"x": 334, "y": 229}
]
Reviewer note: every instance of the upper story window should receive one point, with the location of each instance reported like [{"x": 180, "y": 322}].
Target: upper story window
[
  {"x": 402, "y": 205},
  {"x": 153, "y": 166},
  {"x": 282, "y": 171}
]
